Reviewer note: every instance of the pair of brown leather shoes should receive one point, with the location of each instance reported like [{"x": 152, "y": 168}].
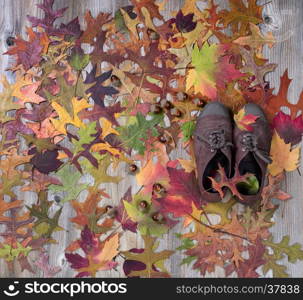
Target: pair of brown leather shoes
[{"x": 219, "y": 142}]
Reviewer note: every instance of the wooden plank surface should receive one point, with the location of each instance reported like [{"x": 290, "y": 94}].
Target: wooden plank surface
[{"x": 284, "y": 19}]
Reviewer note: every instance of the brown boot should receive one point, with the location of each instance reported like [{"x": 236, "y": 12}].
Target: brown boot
[
  {"x": 213, "y": 143},
  {"x": 252, "y": 152}
]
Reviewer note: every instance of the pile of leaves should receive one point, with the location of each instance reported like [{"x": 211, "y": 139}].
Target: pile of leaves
[{"x": 92, "y": 107}]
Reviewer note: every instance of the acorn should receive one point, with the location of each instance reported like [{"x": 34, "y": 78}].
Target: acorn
[
  {"x": 157, "y": 217},
  {"x": 57, "y": 199},
  {"x": 162, "y": 139},
  {"x": 176, "y": 112},
  {"x": 116, "y": 82},
  {"x": 158, "y": 188},
  {"x": 156, "y": 109},
  {"x": 153, "y": 35},
  {"x": 181, "y": 96},
  {"x": 133, "y": 168},
  {"x": 199, "y": 102},
  {"x": 10, "y": 41},
  {"x": 143, "y": 206}
]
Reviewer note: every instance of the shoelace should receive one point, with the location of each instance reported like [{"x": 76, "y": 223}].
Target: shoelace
[
  {"x": 249, "y": 143},
  {"x": 216, "y": 140}
]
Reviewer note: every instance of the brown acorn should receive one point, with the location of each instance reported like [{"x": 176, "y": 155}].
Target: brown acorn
[
  {"x": 157, "y": 217},
  {"x": 133, "y": 168},
  {"x": 108, "y": 208},
  {"x": 143, "y": 206},
  {"x": 158, "y": 188}
]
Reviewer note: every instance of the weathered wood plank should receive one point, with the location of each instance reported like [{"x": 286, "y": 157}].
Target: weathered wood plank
[{"x": 286, "y": 17}]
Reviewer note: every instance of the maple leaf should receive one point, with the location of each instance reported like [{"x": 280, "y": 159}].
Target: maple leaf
[
  {"x": 289, "y": 130},
  {"x": 147, "y": 259},
  {"x": 144, "y": 216},
  {"x": 98, "y": 255},
  {"x": 149, "y": 5},
  {"x": 65, "y": 118},
  {"x": 27, "y": 92},
  {"x": 207, "y": 74},
  {"x": 40, "y": 144},
  {"x": 183, "y": 191},
  {"x": 134, "y": 135},
  {"x": 69, "y": 179},
  {"x": 9, "y": 253},
  {"x": 230, "y": 183},
  {"x": 150, "y": 174},
  {"x": 243, "y": 121},
  {"x": 283, "y": 157},
  {"x": 185, "y": 23}
]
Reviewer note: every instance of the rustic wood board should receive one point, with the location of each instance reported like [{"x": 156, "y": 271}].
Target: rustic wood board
[{"x": 284, "y": 18}]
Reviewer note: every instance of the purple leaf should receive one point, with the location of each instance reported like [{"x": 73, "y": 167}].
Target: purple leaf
[{"x": 45, "y": 162}]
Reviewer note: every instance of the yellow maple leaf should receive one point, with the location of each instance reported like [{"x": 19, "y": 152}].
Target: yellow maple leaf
[
  {"x": 283, "y": 157},
  {"x": 64, "y": 116}
]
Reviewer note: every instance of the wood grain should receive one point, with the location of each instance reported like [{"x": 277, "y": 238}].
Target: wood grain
[{"x": 284, "y": 19}]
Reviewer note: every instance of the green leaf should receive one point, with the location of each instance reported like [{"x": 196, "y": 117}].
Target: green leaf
[
  {"x": 146, "y": 225},
  {"x": 187, "y": 243},
  {"x": 85, "y": 136},
  {"x": 293, "y": 252},
  {"x": 279, "y": 271},
  {"x": 187, "y": 130},
  {"x": 79, "y": 61},
  {"x": 9, "y": 253},
  {"x": 134, "y": 135},
  {"x": 69, "y": 178},
  {"x": 40, "y": 143},
  {"x": 187, "y": 260},
  {"x": 44, "y": 225},
  {"x": 250, "y": 186}
]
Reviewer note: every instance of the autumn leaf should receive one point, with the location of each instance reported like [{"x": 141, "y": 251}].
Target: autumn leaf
[
  {"x": 243, "y": 121},
  {"x": 256, "y": 40},
  {"x": 283, "y": 157},
  {"x": 98, "y": 255},
  {"x": 207, "y": 74},
  {"x": 230, "y": 183},
  {"x": 290, "y": 130},
  {"x": 65, "y": 118},
  {"x": 147, "y": 259}
]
